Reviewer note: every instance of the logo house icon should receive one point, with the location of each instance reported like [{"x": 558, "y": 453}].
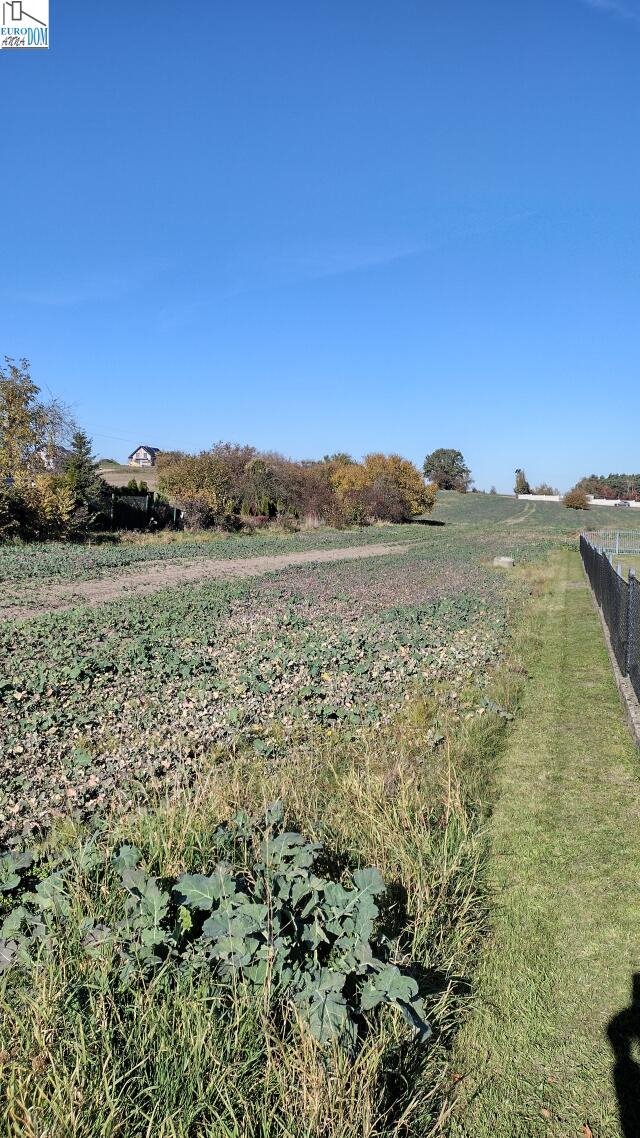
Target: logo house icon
[{"x": 24, "y": 26}]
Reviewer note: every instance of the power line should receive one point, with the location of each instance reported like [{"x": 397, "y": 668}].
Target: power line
[{"x": 105, "y": 435}]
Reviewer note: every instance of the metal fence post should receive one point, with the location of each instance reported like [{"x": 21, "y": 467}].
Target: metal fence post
[{"x": 631, "y": 620}]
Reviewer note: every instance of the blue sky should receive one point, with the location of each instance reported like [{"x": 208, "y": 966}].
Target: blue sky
[{"x": 389, "y": 225}]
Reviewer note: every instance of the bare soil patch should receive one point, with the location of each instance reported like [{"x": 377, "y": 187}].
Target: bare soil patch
[{"x": 56, "y": 597}]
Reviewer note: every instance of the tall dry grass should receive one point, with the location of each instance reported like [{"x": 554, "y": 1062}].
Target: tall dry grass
[{"x": 165, "y": 1059}]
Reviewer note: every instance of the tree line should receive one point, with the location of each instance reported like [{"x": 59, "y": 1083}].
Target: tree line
[
  {"x": 610, "y": 486},
  {"x": 51, "y": 488},
  {"x": 230, "y": 485},
  {"x": 574, "y": 499}
]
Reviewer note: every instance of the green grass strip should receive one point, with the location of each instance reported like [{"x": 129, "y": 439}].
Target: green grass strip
[{"x": 565, "y": 873}]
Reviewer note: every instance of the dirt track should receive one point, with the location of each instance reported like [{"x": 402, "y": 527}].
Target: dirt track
[{"x": 54, "y": 597}]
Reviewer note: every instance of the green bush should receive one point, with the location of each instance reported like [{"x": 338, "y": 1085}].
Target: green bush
[{"x": 11, "y": 515}]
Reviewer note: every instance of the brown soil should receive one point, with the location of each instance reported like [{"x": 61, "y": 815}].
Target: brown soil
[{"x": 55, "y": 597}]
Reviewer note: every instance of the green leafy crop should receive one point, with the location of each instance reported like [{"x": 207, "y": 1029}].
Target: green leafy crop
[
  {"x": 267, "y": 916},
  {"x": 101, "y": 704}
]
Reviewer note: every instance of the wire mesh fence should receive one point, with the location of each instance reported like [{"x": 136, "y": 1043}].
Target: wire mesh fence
[
  {"x": 633, "y": 636},
  {"x": 622, "y": 541},
  {"x": 619, "y": 601}
]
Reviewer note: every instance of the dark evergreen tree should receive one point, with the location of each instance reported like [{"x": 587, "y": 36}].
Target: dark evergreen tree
[
  {"x": 521, "y": 484},
  {"x": 81, "y": 473}
]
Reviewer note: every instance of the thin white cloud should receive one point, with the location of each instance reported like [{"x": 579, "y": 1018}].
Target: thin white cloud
[
  {"x": 267, "y": 268},
  {"x": 275, "y": 267},
  {"x": 338, "y": 261},
  {"x": 615, "y": 8},
  {"x": 86, "y": 288}
]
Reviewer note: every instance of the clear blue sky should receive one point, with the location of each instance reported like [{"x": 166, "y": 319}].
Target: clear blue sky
[{"x": 388, "y": 225}]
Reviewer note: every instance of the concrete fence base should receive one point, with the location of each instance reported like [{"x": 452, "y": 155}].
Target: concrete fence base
[{"x": 593, "y": 501}]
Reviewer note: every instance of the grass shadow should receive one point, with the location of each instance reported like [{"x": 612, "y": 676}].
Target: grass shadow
[{"x": 623, "y": 1030}]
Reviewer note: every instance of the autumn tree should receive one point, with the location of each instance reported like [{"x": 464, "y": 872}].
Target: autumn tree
[
  {"x": 30, "y": 429},
  {"x": 406, "y": 477},
  {"x": 35, "y": 501},
  {"x": 576, "y": 499},
  {"x": 22, "y": 422},
  {"x": 383, "y": 487},
  {"x": 208, "y": 486}
]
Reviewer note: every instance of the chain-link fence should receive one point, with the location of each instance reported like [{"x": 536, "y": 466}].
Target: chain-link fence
[
  {"x": 619, "y": 602},
  {"x": 615, "y": 541},
  {"x": 633, "y": 635}
]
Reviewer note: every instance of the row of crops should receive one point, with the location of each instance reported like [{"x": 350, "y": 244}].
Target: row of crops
[
  {"x": 194, "y": 956},
  {"x": 75, "y": 562},
  {"x": 97, "y": 701},
  {"x": 492, "y": 519}
]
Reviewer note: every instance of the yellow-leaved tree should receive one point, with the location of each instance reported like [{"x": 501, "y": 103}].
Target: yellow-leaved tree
[
  {"x": 55, "y": 501},
  {"x": 419, "y": 497},
  {"x": 33, "y": 501},
  {"x": 22, "y": 423},
  {"x": 382, "y": 487}
]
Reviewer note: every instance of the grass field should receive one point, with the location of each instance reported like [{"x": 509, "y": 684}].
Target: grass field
[
  {"x": 492, "y": 522},
  {"x": 565, "y": 935},
  {"x": 450, "y": 724},
  {"x": 118, "y": 475},
  {"x": 626, "y": 562}
]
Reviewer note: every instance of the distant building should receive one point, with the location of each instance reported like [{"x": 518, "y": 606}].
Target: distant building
[
  {"x": 53, "y": 458},
  {"x": 144, "y": 456}
]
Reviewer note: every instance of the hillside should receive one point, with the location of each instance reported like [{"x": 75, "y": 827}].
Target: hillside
[{"x": 116, "y": 474}]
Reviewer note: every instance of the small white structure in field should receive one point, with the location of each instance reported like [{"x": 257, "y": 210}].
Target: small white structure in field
[
  {"x": 539, "y": 497},
  {"x": 505, "y": 562}
]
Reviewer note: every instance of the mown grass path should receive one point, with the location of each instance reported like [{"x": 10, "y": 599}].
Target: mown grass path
[{"x": 565, "y": 872}]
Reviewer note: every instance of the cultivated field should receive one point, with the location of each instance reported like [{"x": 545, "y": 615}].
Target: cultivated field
[
  {"x": 266, "y": 993},
  {"x": 117, "y": 475},
  {"x": 33, "y": 577}
]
